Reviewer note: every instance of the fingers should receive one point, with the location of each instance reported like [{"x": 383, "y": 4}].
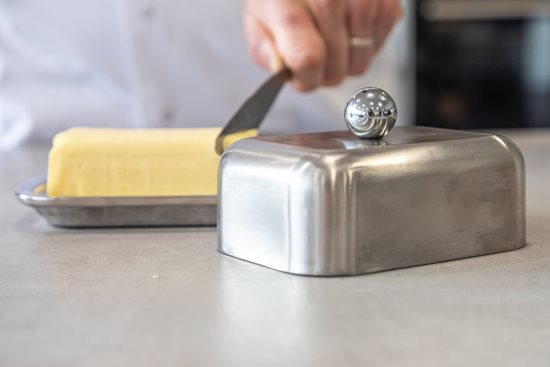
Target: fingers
[
  {"x": 311, "y": 37},
  {"x": 330, "y": 18},
  {"x": 296, "y": 39},
  {"x": 260, "y": 44},
  {"x": 362, "y": 15},
  {"x": 390, "y": 12}
]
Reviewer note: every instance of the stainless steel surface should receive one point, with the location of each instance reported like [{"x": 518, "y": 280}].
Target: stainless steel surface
[
  {"x": 145, "y": 297},
  {"x": 251, "y": 114},
  {"x": 370, "y": 113},
  {"x": 333, "y": 204},
  {"x": 118, "y": 211}
]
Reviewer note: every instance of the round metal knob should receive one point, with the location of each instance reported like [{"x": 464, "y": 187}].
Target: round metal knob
[{"x": 370, "y": 113}]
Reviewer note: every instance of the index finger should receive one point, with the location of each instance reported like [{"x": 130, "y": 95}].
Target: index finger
[{"x": 296, "y": 39}]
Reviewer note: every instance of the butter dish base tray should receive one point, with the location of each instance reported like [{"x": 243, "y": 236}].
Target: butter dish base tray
[{"x": 132, "y": 211}]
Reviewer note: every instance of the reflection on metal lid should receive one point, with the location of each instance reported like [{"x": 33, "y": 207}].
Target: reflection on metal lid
[{"x": 345, "y": 140}]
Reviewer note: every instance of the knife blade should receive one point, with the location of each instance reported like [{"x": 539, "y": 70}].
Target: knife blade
[{"x": 252, "y": 112}]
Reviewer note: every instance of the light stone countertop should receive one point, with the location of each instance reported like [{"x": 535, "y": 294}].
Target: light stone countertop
[{"x": 165, "y": 297}]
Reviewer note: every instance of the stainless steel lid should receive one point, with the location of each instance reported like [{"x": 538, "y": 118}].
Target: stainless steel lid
[
  {"x": 346, "y": 140},
  {"x": 335, "y": 203}
]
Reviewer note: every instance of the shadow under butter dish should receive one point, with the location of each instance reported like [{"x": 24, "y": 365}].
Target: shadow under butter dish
[{"x": 135, "y": 162}]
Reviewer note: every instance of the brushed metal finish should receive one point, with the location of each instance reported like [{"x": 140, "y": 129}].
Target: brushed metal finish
[
  {"x": 332, "y": 204},
  {"x": 370, "y": 113},
  {"x": 133, "y": 211}
]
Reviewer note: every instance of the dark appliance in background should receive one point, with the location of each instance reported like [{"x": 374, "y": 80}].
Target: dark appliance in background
[{"x": 483, "y": 63}]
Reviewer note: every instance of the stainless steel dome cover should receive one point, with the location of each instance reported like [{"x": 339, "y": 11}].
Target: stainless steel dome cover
[{"x": 331, "y": 203}]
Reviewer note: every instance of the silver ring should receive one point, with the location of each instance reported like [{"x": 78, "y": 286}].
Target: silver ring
[{"x": 361, "y": 42}]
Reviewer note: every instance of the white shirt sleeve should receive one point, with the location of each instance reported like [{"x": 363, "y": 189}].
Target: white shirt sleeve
[
  {"x": 164, "y": 63},
  {"x": 63, "y": 63},
  {"x": 192, "y": 69}
]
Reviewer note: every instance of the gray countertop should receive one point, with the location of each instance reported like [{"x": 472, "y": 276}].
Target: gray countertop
[{"x": 165, "y": 297}]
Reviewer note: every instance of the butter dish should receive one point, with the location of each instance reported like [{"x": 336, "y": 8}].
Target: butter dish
[
  {"x": 145, "y": 211},
  {"x": 331, "y": 203}
]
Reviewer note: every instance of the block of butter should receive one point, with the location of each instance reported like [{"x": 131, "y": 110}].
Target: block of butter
[{"x": 135, "y": 162}]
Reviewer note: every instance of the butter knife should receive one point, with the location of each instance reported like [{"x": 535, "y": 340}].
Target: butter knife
[{"x": 252, "y": 112}]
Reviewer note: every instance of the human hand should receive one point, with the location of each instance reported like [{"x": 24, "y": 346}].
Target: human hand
[{"x": 314, "y": 38}]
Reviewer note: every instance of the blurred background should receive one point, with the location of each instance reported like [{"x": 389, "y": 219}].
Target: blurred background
[
  {"x": 463, "y": 64},
  {"x": 483, "y": 63}
]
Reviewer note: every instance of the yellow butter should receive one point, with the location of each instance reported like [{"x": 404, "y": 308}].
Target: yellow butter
[
  {"x": 135, "y": 162},
  {"x": 233, "y": 138}
]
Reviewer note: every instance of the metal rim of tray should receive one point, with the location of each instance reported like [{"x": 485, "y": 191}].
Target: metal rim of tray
[{"x": 131, "y": 211}]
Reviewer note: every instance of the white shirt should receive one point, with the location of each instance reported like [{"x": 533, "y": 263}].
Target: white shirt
[{"x": 156, "y": 63}]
